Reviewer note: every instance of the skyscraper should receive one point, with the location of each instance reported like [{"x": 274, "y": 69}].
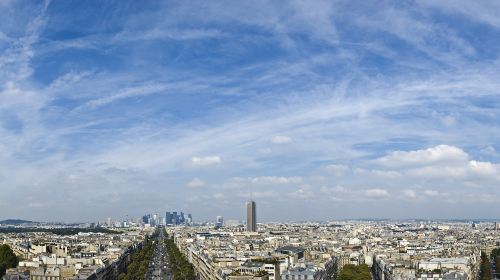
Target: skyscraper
[
  {"x": 146, "y": 219},
  {"x": 219, "y": 222},
  {"x": 168, "y": 218},
  {"x": 251, "y": 216},
  {"x": 175, "y": 218}
]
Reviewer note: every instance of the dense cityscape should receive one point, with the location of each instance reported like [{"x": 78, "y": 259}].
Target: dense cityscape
[
  {"x": 177, "y": 247},
  {"x": 249, "y": 140}
]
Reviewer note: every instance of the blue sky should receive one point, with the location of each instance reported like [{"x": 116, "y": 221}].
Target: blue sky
[{"x": 321, "y": 109}]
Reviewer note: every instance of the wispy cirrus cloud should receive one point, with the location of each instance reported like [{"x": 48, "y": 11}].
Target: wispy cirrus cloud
[
  {"x": 484, "y": 12},
  {"x": 388, "y": 103},
  {"x": 167, "y": 34},
  {"x": 142, "y": 90}
]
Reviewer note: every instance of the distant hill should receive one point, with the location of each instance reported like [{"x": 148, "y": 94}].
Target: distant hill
[{"x": 15, "y": 222}]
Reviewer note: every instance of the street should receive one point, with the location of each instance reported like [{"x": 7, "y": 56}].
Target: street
[{"x": 158, "y": 267}]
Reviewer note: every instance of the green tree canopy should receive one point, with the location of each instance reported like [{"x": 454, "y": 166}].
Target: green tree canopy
[
  {"x": 178, "y": 264},
  {"x": 485, "y": 273},
  {"x": 355, "y": 272},
  {"x": 7, "y": 258},
  {"x": 495, "y": 253}
]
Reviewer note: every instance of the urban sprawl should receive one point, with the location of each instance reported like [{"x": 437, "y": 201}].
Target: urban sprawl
[{"x": 173, "y": 246}]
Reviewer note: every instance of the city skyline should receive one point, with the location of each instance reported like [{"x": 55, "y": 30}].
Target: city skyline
[{"x": 323, "y": 110}]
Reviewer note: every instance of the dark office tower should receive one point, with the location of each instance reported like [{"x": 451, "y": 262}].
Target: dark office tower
[
  {"x": 145, "y": 219},
  {"x": 181, "y": 218},
  {"x": 175, "y": 218},
  {"x": 168, "y": 218},
  {"x": 251, "y": 216},
  {"x": 219, "y": 222}
]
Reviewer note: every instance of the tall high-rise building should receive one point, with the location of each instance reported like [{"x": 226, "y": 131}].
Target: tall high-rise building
[
  {"x": 168, "y": 218},
  {"x": 219, "y": 222},
  {"x": 251, "y": 216},
  {"x": 175, "y": 218},
  {"x": 146, "y": 218}
]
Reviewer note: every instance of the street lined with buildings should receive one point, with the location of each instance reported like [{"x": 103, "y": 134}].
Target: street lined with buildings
[{"x": 158, "y": 268}]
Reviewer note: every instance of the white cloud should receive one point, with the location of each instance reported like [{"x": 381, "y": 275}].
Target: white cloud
[
  {"x": 281, "y": 139},
  {"x": 378, "y": 173},
  {"x": 442, "y": 162},
  {"x": 420, "y": 193},
  {"x": 204, "y": 161},
  {"x": 275, "y": 180},
  {"x": 431, "y": 193},
  {"x": 464, "y": 170},
  {"x": 441, "y": 153},
  {"x": 410, "y": 193},
  {"x": 302, "y": 193},
  {"x": 376, "y": 193},
  {"x": 196, "y": 183},
  {"x": 483, "y": 168},
  {"x": 386, "y": 173}
]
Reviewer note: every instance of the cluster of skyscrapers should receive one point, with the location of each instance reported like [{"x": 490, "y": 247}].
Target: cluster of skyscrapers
[
  {"x": 174, "y": 218},
  {"x": 171, "y": 218},
  {"x": 179, "y": 218}
]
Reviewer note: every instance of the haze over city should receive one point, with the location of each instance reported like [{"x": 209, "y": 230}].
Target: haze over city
[{"x": 318, "y": 110}]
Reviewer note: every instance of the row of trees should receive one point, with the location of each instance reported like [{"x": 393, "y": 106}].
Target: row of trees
[
  {"x": 139, "y": 264},
  {"x": 495, "y": 256},
  {"x": 178, "y": 264},
  {"x": 7, "y": 259},
  {"x": 355, "y": 272},
  {"x": 485, "y": 272}
]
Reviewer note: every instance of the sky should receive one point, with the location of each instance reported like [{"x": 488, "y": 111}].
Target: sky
[{"x": 317, "y": 110}]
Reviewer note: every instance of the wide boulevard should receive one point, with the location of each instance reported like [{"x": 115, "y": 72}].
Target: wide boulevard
[{"x": 158, "y": 268}]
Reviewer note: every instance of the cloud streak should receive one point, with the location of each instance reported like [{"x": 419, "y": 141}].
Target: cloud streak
[{"x": 318, "y": 104}]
